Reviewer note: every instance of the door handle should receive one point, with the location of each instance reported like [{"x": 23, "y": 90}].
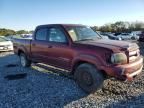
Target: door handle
[{"x": 50, "y": 46}]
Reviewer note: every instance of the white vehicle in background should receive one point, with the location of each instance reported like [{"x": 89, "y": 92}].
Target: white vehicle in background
[
  {"x": 125, "y": 36},
  {"x": 135, "y": 34},
  {"x": 128, "y": 36},
  {"x": 26, "y": 36},
  {"x": 111, "y": 36},
  {"x": 5, "y": 44},
  {"x": 103, "y": 36}
]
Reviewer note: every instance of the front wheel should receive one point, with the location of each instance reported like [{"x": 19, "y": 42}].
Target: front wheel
[
  {"x": 24, "y": 61},
  {"x": 89, "y": 78}
]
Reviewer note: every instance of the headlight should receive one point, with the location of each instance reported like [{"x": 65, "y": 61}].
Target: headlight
[{"x": 118, "y": 58}]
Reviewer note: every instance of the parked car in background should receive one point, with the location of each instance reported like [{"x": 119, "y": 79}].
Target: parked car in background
[
  {"x": 103, "y": 36},
  {"x": 8, "y": 37},
  {"x": 5, "y": 44},
  {"x": 141, "y": 37},
  {"x": 116, "y": 34},
  {"x": 128, "y": 36},
  {"x": 134, "y": 35},
  {"x": 125, "y": 36},
  {"x": 26, "y": 36},
  {"x": 111, "y": 36}
]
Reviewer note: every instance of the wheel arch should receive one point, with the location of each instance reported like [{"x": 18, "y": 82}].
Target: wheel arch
[
  {"x": 95, "y": 61},
  {"x": 20, "y": 51},
  {"x": 78, "y": 63}
]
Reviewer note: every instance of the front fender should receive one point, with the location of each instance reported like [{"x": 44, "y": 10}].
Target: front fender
[{"x": 95, "y": 60}]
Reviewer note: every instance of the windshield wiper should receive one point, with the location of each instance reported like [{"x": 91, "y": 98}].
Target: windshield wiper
[{"x": 85, "y": 39}]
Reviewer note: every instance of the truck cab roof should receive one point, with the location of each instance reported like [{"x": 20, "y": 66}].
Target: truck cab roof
[{"x": 60, "y": 25}]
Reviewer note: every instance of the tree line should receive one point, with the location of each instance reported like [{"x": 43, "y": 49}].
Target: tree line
[
  {"x": 116, "y": 27},
  {"x": 7, "y": 32},
  {"x": 120, "y": 26}
]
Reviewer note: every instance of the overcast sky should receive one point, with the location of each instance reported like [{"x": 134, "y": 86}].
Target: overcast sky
[{"x": 26, "y": 14}]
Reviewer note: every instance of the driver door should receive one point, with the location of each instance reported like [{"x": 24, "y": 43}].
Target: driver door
[{"x": 59, "y": 50}]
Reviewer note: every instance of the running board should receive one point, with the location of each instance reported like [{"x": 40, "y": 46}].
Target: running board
[{"x": 54, "y": 70}]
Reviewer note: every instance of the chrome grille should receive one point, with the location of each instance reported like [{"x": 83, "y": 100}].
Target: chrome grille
[{"x": 133, "y": 55}]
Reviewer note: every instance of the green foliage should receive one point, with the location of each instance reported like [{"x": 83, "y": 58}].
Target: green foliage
[
  {"x": 8, "y": 32},
  {"x": 121, "y": 26},
  {"x": 31, "y": 32},
  {"x": 22, "y": 32}
]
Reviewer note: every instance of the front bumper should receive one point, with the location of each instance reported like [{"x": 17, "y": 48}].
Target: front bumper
[
  {"x": 130, "y": 76},
  {"x": 127, "y": 71}
]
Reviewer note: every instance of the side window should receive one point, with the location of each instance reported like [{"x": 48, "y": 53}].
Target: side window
[
  {"x": 56, "y": 35},
  {"x": 41, "y": 34}
]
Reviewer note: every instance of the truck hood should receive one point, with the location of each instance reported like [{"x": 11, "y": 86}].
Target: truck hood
[{"x": 111, "y": 44}]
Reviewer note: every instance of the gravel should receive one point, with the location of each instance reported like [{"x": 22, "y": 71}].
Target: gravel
[{"x": 40, "y": 88}]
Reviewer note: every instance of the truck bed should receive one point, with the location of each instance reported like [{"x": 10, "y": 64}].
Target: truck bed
[{"x": 23, "y": 44}]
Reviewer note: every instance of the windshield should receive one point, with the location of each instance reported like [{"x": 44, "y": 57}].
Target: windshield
[
  {"x": 3, "y": 39},
  {"x": 81, "y": 33}
]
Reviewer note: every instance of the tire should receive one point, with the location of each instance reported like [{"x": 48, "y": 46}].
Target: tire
[
  {"x": 89, "y": 78},
  {"x": 133, "y": 38},
  {"x": 24, "y": 61}
]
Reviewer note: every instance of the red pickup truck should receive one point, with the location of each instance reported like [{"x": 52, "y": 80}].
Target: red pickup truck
[{"x": 82, "y": 52}]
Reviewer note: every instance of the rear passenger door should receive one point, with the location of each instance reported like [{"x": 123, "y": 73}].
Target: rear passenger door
[{"x": 39, "y": 45}]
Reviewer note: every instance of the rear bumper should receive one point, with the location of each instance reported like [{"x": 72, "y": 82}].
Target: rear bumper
[{"x": 127, "y": 71}]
